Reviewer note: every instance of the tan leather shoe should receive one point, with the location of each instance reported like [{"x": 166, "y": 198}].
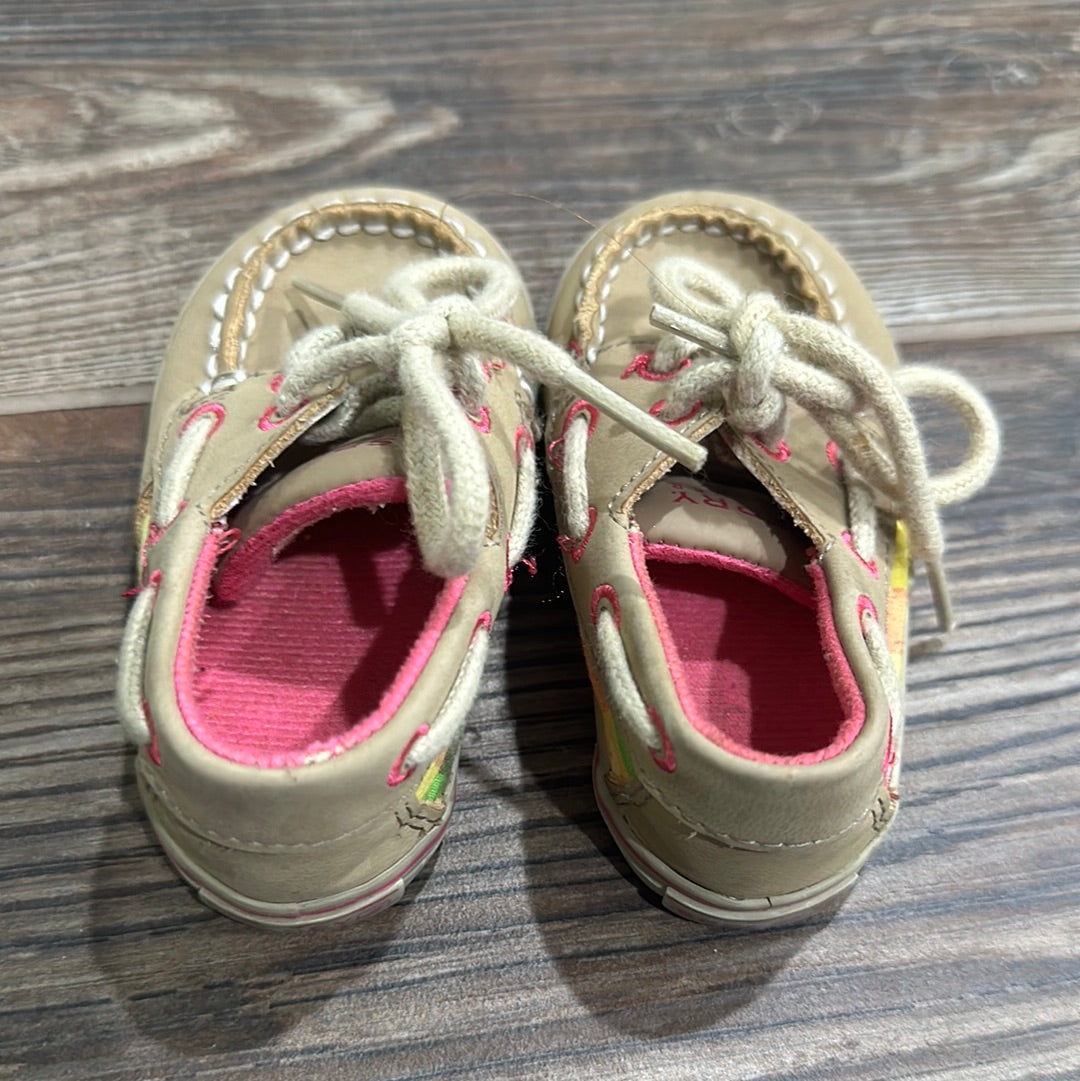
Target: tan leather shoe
[
  {"x": 331, "y": 507},
  {"x": 746, "y": 624}
]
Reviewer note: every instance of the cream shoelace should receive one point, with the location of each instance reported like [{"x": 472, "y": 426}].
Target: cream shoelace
[
  {"x": 414, "y": 358},
  {"x": 759, "y": 355}
]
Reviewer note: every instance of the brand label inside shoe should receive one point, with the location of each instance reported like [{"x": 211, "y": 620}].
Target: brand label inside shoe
[{"x": 690, "y": 513}]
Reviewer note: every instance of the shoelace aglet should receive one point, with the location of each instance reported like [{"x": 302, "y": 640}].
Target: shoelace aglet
[
  {"x": 319, "y": 293},
  {"x": 685, "y": 451},
  {"x": 682, "y": 326},
  {"x": 939, "y": 590}
]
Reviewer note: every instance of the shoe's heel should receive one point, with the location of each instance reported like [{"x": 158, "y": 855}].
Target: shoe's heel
[
  {"x": 361, "y": 900},
  {"x": 693, "y": 901}
]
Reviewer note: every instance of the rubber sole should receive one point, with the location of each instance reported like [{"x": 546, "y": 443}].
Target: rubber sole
[
  {"x": 693, "y": 902},
  {"x": 362, "y": 902}
]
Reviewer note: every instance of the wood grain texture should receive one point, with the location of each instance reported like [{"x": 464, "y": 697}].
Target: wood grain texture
[{"x": 937, "y": 144}]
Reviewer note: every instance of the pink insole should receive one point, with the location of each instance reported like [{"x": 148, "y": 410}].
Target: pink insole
[
  {"x": 313, "y": 644},
  {"x": 751, "y": 658}
]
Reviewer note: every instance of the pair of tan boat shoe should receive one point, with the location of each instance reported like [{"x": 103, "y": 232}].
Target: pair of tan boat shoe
[{"x": 341, "y": 474}]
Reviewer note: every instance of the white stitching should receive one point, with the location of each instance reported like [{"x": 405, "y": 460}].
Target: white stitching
[
  {"x": 640, "y": 240},
  {"x": 204, "y": 833},
  {"x": 302, "y": 241},
  {"x": 741, "y": 842}
]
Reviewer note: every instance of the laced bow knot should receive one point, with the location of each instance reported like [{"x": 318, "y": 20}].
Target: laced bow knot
[
  {"x": 747, "y": 346},
  {"x": 754, "y": 354},
  {"x": 413, "y": 357}
]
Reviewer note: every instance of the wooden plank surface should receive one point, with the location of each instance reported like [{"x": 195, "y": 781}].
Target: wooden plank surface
[{"x": 937, "y": 144}]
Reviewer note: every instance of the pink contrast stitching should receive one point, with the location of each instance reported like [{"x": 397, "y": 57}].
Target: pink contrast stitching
[
  {"x": 272, "y": 419},
  {"x": 832, "y": 452},
  {"x": 396, "y": 776},
  {"x": 869, "y": 564},
  {"x": 216, "y": 408},
  {"x": 781, "y": 454},
  {"x": 658, "y": 407},
  {"x": 482, "y": 422},
  {"x": 153, "y": 751},
  {"x": 522, "y": 435},
  {"x": 863, "y": 605},
  {"x": 639, "y": 366},
  {"x": 576, "y": 549},
  {"x": 154, "y": 533},
  {"x": 579, "y": 406},
  {"x": 605, "y": 592}
]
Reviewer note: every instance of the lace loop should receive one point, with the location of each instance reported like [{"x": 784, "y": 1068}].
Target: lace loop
[
  {"x": 414, "y": 358},
  {"x": 759, "y": 355}
]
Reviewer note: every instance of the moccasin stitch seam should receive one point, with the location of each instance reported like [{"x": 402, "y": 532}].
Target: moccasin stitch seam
[
  {"x": 739, "y": 842},
  {"x": 211, "y": 835}
]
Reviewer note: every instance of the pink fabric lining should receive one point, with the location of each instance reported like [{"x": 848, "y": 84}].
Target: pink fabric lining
[
  {"x": 254, "y": 556},
  {"x": 335, "y": 621},
  {"x": 755, "y": 672},
  {"x": 847, "y": 689},
  {"x": 672, "y": 553}
]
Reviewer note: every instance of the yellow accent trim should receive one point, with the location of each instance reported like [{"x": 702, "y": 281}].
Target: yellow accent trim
[
  {"x": 432, "y": 780},
  {"x": 897, "y": 605},
  {"x": 613, "y": 750},
  {"x": 620, "y": 769}
]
